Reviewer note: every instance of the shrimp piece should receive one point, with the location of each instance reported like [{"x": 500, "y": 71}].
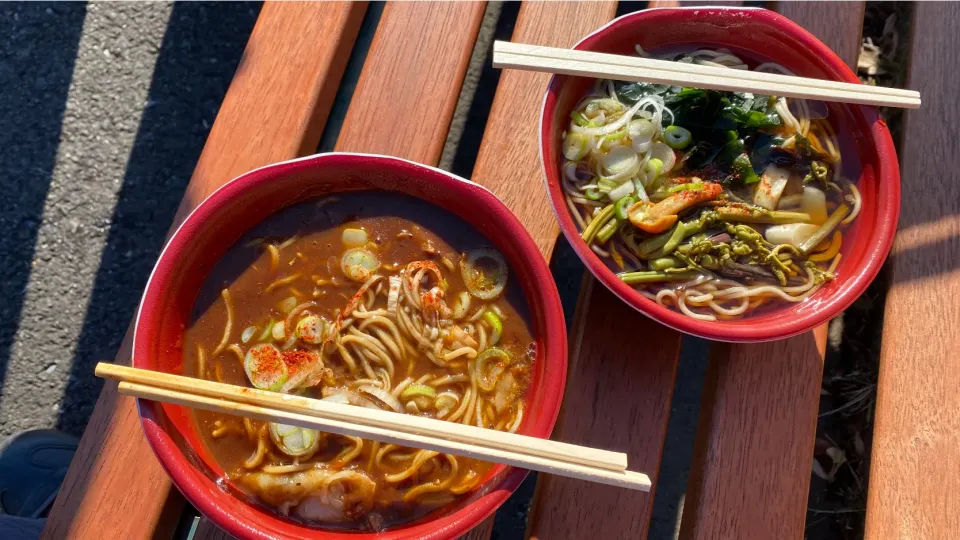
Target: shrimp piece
[
  {"x": 456, "y": 337},
  {"x": 656, "y": 218},
  {"x": 433, "y": 306}
]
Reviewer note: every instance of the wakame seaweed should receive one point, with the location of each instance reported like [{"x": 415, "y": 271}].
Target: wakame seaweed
[{"x": 724, "y": 125}]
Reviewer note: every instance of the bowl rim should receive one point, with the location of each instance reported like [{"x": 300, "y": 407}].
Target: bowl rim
[
  {"x": 852, "y": 286},
  {"x": 496, "y": 490}
]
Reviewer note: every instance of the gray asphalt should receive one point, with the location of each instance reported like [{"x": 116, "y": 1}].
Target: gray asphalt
[{"x": 104, "y": 109}]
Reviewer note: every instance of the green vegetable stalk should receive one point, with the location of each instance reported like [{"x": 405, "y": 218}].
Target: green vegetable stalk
[
  {"x": 656, "y": 276},
  {"x": 759, "y": 215},
  {"x": 666, "y": 243},
  {"x": 598, "y": 222},
  {"x": 826, "y": 229}
]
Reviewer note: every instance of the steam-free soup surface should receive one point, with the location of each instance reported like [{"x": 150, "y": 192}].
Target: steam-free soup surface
[{"x": 370, "y": 299}]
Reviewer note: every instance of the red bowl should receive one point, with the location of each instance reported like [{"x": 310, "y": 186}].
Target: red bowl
[
  {"x": 757, "y": 35},
  {"x": 221, "y": 219}
]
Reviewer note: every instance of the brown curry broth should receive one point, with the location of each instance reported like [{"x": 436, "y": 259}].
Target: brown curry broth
[{"x": 245, "y": 270}]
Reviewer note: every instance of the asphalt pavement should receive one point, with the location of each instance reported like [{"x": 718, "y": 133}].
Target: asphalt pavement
[{"x": 104, "y": 109}]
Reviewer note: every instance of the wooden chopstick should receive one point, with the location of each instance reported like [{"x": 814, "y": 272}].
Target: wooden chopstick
[
  {"x": 470, "y": 441},
  {"x": 629, "y": 68},
  {"x": 615, "y": 461}
]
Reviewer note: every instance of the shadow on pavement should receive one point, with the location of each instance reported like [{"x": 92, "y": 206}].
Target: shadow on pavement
[
  {"x": 201, "y": 49},
  {"x": 39, "y": 44}
]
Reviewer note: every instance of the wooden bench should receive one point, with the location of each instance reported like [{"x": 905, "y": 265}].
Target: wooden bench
[{"x": 751, "y": 466}]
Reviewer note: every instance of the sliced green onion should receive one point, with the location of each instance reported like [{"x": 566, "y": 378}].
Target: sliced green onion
[
  {"x": 487, "y": 381},
  {"x": 486, "y": 281},
  {"x": 495, "y": 324},
  {"x": 581, "y": 120},
  {"x": 575, "y": 146},
  {"x": 286, "y": 305},
  {"x": 278, "y": 332},
  {"x": 359, "y": 264},
  {"x": 606, "y": 183},
  {"x": 615, "y": 136},
  {"x": 677, "y": 137},
  {"x": 592, "y": 194},
  {"x": 265, "y": 367},
  {"x": 267, "y": 331},
  {"x": 653, "y": 168},
  {"x": 418, "y": 390},
  {"x": 310, "y": 329},
  {"x": 294, "y": 441},
  {"x": 461, "y": 305},
  {"x": 623, "y": 205},
  {"x": 247, "y": 334},
  {"x": 664, "y": 153}
]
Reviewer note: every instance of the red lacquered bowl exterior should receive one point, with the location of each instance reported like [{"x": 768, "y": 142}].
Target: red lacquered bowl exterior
[
  {"x": 223, "y": 218},
  {"x": 760, "y": 34}
]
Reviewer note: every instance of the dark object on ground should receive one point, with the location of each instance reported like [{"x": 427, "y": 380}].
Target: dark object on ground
[{"x": 32, "y": 467}]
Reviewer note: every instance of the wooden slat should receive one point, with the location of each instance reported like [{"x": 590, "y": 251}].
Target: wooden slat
[
  {"x": 602, "y": 368},
  {"x": 916, "y": 438},
  {"x": 408, "y": 89},
  {"x": 510, "y": 165},
  {"x": 750, "y": 474},
  {"x": 274, "y": 110},
  {"x": 404, "y": 100},
  {"x": 839, "y": 26}
]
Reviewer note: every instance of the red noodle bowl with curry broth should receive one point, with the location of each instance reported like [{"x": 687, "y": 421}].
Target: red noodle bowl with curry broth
[{"x": 372, "y": 299}]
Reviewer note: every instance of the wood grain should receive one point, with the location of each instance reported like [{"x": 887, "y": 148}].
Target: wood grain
[
  {"x": 618, "y": 396},
  {"x": 839, "y": 26},
  {"x": 750, "y": 474},
  {"x": 274, "y": 109},
  {"x": 411, "y": 79},
  {"x": 508, "y": 162},
  {"x": 916, "y": 437}
]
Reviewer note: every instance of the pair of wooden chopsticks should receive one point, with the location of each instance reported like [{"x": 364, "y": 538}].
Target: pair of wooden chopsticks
[
  {"x": 632, "y": 68},
  {"x": 513, "y": 449}
]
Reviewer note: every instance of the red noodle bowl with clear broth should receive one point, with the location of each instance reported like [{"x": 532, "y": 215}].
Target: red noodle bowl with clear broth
[
  {"x": 237, "y": 208},
  {"x": 756, "y": 36}
]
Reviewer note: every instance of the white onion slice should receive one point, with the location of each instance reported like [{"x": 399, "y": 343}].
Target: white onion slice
[
  {"x": 383, "y": 396},
  {"x": 664, "y": 153},
  {"x": 619, "y": 159}
]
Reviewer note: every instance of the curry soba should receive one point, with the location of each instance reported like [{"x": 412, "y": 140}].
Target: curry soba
[{"x": 370, "y": 299}]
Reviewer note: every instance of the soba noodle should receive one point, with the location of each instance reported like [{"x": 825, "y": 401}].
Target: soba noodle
[{"x": 711, "y": 203}]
